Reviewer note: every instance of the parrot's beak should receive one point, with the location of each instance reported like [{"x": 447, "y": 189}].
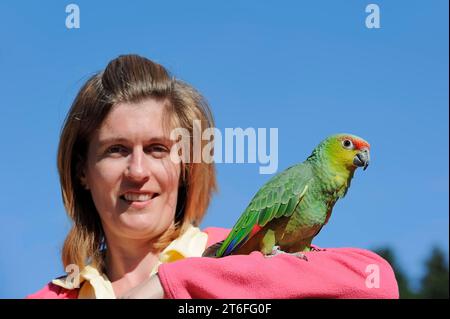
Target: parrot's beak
[{"x": 362, "y": 159}]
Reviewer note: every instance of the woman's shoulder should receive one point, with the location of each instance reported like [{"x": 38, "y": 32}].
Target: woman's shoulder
[{"x": 52, "y": 291}]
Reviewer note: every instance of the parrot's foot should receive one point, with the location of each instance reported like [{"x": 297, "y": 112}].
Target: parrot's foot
[{"x": 277, "y": 251}]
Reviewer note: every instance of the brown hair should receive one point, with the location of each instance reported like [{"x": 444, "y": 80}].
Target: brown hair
[{"x": 128, "y": 78}]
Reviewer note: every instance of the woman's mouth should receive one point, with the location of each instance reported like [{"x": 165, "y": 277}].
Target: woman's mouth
[{"x": 138, "y": 200}]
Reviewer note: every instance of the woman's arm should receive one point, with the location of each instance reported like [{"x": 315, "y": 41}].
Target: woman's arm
[{"x": 330, "y": 273}]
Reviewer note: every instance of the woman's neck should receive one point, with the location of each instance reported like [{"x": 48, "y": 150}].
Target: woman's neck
[{"x": 128, "y": 263}]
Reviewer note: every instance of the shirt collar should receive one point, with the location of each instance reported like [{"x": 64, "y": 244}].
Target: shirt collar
[{"x": 96, "y": 285}]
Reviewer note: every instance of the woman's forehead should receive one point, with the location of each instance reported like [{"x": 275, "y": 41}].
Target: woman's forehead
[{"x": 142, "y": 120}]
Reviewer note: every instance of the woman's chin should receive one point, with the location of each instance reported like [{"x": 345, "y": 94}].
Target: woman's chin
[{"x": 141, "y": 226}]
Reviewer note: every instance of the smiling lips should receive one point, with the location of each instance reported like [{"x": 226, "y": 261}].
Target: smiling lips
[{"x": 138, "y": 199}]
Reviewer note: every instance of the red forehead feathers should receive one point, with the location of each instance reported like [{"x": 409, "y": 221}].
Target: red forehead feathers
[{"x": 360, "y": 144}]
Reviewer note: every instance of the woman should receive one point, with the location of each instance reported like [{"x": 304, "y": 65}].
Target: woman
[{"x": 135, "y": 211}]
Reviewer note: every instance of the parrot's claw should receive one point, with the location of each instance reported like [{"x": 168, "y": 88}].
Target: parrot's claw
[
  {"x": 277, "y": 251},
  {"x": 300, "y": 255}
]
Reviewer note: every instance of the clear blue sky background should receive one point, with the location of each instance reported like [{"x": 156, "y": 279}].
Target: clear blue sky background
[{"x": 308, "y": 68}]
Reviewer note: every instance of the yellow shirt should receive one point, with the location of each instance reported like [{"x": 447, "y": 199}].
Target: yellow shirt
[{"x": 96, "y": 285}]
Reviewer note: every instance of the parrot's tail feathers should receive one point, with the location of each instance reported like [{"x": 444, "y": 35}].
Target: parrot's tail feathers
[{"x": 212, "y": 250}]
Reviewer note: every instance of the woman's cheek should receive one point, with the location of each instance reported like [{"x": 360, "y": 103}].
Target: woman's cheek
[
  {"x": 104, "y": 181},
  {"x": 167, "y": 173}
]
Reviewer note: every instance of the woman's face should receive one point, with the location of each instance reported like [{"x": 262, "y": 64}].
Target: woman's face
[{"x": 133, "y": 182}]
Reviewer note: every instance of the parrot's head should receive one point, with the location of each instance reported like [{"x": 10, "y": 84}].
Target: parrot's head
[{"x": 347, "y": 151}]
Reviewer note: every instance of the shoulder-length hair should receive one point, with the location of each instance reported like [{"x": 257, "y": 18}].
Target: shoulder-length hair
[{"x": 128, "y": 78}]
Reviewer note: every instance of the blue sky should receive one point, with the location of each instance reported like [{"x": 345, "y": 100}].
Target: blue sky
[{"x": 308, "y": 68}]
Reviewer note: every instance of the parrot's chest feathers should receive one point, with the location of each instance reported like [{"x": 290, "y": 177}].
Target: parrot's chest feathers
[
  {"x": 315, "y": 208},
  {"x": 335, "y": 183},
  {"x": 339, "y": 181},
  {"x": 339, "y": 185}
]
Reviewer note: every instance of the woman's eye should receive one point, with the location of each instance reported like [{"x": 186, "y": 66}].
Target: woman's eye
[
  {"x": 347, "y": 144},
  {"x": 158, "y": 150},
  {"x": 117, "y": 149}
]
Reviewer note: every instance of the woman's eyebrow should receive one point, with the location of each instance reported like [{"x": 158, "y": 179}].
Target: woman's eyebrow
[
  {"x": 112, "y": 140},
  {"x": 120, "y": 139},
  {"x": 160, "y": 139}
]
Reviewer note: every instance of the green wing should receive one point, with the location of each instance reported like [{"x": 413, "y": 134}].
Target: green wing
[{"x": 277, "y": 198}]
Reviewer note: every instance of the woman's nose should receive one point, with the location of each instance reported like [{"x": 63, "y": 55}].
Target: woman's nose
[{"x": 137, "y": 169}]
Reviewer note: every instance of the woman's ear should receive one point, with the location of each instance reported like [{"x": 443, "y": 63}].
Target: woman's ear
[
  {"x": 81, "y": 169},
  {"x": 83, "y": 181}
]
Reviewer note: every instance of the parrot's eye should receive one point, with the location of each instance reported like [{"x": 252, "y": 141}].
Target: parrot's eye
[{"x": 347, "y": 144}]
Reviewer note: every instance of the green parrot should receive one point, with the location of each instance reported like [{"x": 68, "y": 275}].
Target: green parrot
[{"x": 292, "y": 207}]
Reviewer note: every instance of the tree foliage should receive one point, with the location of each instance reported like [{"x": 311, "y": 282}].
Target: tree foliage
[
  {"x": 435, "y": 282},
  {"x": 433, "y": 285}
]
